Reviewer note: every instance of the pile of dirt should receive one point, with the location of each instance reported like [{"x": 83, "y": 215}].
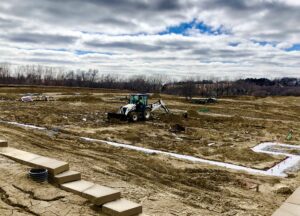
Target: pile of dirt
[{"x": 284, "y": 191}]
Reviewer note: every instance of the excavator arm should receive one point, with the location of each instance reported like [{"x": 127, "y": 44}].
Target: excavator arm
[{"x": 159, "y": 104}]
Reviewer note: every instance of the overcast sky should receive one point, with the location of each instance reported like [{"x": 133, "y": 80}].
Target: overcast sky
[{"x": 204, "y": 38}]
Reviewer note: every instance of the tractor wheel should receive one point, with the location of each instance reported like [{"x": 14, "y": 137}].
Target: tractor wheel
[
  {"x": 147, "y": 114},
  {"x": 133, "y": 116}
]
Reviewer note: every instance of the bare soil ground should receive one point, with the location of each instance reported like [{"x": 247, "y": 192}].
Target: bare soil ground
[{"x": 163, "y": 185}]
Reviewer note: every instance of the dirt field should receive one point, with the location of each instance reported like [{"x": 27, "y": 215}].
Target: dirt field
[{"x": 224, "y": 131}]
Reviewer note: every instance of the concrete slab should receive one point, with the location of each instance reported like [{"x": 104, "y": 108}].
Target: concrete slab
[
  {"x": 122, "y": 207},
  {"x": 68, "y": 176},
  {"x": 20, "y": 156},
  {"x": 54, "y": 166},
  {"x": 3, "y": 143},
  {"x": 295, "y": 197},
  {"x": 287, "y": 209},
  {"x": 281, "y": 212},
  {"x": 8, "y": 150},
  {"x": 77, "y": 187},
  {"x": 99, "y": 195}
]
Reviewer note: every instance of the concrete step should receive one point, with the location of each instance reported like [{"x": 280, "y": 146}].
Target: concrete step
[
  {"x": 295, "y": 197},
  {"x": 100, "y": 195},
  {"x": 70, "y": 181},
  {"x": 54, "y": 166},
  {"x": 291, "y": 207},
  {"x": 122, "y": 207},
  {"x": 287, "y": 209},
  {"x": 68, "y": 176},
  {"x": 97, "y": 194},
  {"x": 3, "y": 143},
  {"x": 20, "y": 156},
  {"x": 77, "y": 187}
]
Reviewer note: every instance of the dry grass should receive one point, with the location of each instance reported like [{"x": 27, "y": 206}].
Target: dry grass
[
  {"x": 82, "y": 98},
  {"x": 9, "y": 97}
]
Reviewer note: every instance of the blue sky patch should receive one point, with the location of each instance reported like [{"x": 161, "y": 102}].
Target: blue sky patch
[
  {"x": 295, "y": 47},
  {"x": 265, "y": 43},
  {"x": 85, "y": 52},
  {"x": 234, "y": 44},
  {"x": 201, "y": 26},
  {"x": 60, "y": 50}
]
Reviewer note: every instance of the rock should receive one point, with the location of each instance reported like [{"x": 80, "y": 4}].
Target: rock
[
  {"x": 284, "y": 190},
  {"x": 291, "y": 175},
  {"x": 177, "y": 128}
]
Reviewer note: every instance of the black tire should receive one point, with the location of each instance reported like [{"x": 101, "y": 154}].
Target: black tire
[
  {"x": 133, "y": 116},
  {"x": 147, "y": 114}
]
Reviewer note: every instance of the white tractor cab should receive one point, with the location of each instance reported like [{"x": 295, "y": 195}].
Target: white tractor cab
[{"x": 138, "y": 108}]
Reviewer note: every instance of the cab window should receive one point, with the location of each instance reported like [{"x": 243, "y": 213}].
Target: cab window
[{"x": 133, "y": 99}]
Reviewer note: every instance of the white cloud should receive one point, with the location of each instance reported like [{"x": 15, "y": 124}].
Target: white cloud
[{"x": 122, "y": 36}]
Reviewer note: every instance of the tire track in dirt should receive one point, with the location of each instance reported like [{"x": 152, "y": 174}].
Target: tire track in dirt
[{"x": 198, "y": 191}]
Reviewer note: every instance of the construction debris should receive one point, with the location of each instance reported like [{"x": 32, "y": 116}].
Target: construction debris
[
  {"x": 204, "y": 100},
  {"x": 36, "y": 97}
]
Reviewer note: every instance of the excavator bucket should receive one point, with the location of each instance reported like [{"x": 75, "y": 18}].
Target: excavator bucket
[{"x": 119, "y": 116}]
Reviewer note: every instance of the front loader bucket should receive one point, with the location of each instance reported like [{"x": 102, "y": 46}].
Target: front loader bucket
[{"x": 116, "y": 116}]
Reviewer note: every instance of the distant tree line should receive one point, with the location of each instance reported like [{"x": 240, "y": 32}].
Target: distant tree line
[
  {"x": 251, "y": 86},
  {"x": 51, "y": 76}
]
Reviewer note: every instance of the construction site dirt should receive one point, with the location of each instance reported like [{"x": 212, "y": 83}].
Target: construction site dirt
[{"x": 225, "y": 132}]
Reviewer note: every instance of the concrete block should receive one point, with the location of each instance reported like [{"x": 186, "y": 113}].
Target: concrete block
[
  {"x": 287, "y": 209},
  {"x": 280, "y": 212},
  {"x": 54, "y": 166},
  {"x": 67, "y": 176},
  {"x": 3, "y": 143},
  {"x": 99, "y": 195},
  {"x": 295, "y": 197},
  {"x": 20, "y": 156},
  {"x": 122, "y": 207},
  {"x": 77, "y": 187},
  {"x": 8, "y": 151}
]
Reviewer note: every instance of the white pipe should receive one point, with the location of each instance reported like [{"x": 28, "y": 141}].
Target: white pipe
[
  {"x": 23, "y": 125},
  {"x": 277, "y": 170}
]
